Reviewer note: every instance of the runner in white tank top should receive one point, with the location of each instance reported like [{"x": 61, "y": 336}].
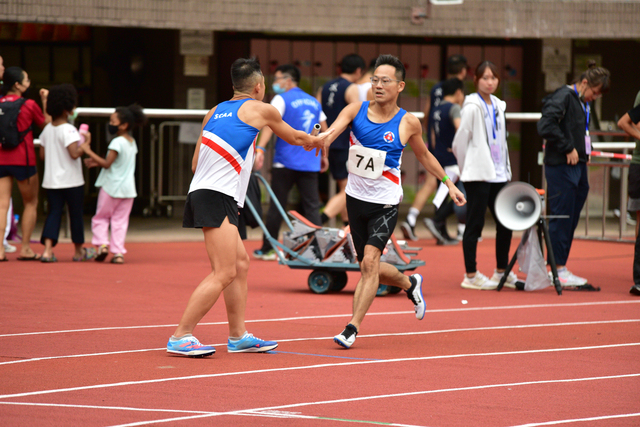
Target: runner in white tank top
[{"x": 223, "y": 153}]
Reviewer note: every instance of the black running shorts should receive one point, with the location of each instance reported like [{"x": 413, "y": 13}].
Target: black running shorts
[
  {"x": 208, "y": 208},
  {"x": 370, "y": 224},
  {"x": 338, "y": 162}
]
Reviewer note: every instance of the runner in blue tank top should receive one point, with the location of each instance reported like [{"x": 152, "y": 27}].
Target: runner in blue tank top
[
  {"x": 224, "y": 152},
  {"x": 380, "y": 131}
]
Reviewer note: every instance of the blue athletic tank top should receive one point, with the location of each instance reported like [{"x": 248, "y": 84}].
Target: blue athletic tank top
[
  {"x": 333, "y": 103},
  {"x": 301, "y": 112},
  {"x": 226, "y": 153},
  {"x": 386, "y": 189},
  {"x": 380, "y": 136},
  {"x": 444, "y": 130}
]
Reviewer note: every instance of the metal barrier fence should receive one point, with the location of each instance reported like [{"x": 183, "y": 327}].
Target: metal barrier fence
[{"x": 167, "y": 160}]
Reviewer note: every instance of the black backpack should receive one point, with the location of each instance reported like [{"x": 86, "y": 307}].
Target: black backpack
[{"x": 10, "y": 138}]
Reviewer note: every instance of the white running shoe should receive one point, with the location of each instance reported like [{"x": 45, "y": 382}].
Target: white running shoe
[
  {"x": 347, "y": 337},
  {"x": 479, "y": 282},
  {"x": 8, "y": 248},
  {"x": 509, "y": 283},
  {"x": 569, "y": 279},
  {"x": 416, "y": 297}
]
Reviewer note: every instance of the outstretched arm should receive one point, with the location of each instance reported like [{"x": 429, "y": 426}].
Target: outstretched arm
[
  {"x": 343, "y": 120},
  {"x": 267, "y": 115},
  {"x": 97, "y": 160}
]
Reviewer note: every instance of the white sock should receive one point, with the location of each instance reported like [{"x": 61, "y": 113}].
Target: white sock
[
  {"x": 174, "y": 339},
  {"x": 412, "y": 216},
  {"x": 239, "y": 338}
]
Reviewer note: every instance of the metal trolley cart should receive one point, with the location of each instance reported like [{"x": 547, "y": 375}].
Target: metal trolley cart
[{"x": 328, "y": 252}]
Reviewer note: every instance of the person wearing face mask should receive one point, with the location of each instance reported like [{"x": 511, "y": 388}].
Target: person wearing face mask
[
  {"x": 291, "y": 164},
  {"x": 565, "y": 127},
  {"x": 116, "y": 182},
  {"x": 19, "y": 163},
  {"x": 63, "y": 177},
  {"x": 480, "y": 147}
]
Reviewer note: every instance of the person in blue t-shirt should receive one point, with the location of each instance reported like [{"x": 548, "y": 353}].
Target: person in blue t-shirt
[{"x": 291, "y": 164}]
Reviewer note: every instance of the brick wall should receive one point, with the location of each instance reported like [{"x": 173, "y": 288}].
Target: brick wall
[{"x": 475, "y": 18}]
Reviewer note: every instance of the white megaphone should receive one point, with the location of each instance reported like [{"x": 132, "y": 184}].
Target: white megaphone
[{"x": 518, "y": 206}]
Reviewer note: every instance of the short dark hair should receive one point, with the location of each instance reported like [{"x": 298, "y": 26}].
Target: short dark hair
[
  {"x": 455, "y": 64},
  {"x": 395, "y": 63},
  {"x": 451, "y": 86},
  {"x": 11, "y": 76},
  {"x": 132, "y": 115},
  {"x": 351, "y": 63},
  {"x": 244, "y": 71},
  {"x": 290, "y": 70},
  {"x": 61, "y": 98}
]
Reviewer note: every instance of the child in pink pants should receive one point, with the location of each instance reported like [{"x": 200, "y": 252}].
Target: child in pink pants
[{"x": 117, "y": 183}]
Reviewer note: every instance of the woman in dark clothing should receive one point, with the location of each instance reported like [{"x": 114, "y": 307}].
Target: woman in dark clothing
[{"x": 565, "y": 126}]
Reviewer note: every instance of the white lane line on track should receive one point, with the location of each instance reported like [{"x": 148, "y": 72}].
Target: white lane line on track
[
  {"x": 115, "y": 408},
  {"x": 384, "y": 396},
  {"x": 256, "y": 413},
  {"x": 580, "y": 420},
  {"x": 270, "y": 411},
  {"x": 332, "y": 316},
  {"x": 442, "y": 331},
  {"x": 323, "y": 365}
]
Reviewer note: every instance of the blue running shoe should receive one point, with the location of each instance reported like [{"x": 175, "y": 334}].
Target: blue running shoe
[
  {"x": 250, "y": 344},
  {"x": 415, "y": 295},
  {"x": 189, "y": 346}
]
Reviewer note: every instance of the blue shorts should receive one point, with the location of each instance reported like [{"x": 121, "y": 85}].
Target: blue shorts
[{"x": 20, "y": 173}]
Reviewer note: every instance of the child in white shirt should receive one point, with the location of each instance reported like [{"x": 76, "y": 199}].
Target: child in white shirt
[{"x": 63, "y": 177}]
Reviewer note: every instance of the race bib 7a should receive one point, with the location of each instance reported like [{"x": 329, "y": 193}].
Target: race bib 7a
[{"x": 366, "y": 162}]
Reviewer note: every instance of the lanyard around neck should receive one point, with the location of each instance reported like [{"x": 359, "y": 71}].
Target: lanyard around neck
[
  {"x": 494, "y": 123},
  {"x": 586, "y": 108}
]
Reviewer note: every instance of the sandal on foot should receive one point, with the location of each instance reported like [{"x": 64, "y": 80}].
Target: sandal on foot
[
  {"x": 34, "y": 257},
  {"x": 117, "y": 259},
  {"x": 103, "y": 251},
  {"x": 52, "y": 258},
  {"x": 87, "y": 254}
]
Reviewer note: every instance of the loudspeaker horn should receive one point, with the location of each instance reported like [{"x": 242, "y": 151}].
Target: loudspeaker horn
[{"x": 518, "y": 206}]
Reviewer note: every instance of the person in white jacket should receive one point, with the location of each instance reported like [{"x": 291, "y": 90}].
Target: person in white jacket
[{"x": 480, "y": 147}]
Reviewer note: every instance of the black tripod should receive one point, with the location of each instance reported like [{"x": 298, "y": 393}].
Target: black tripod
[{"x": 543, "y": 231}]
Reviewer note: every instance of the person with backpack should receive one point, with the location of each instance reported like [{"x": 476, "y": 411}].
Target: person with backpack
[{"x": 17, "y": 153}]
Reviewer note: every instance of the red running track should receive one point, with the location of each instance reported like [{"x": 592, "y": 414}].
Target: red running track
[{"x": 84, "y": 344}]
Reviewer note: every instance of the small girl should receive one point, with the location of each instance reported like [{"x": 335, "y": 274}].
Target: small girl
[
  {"x": 480, "y": 147},
  {"x": 63, "y": 177},
  {"x": 117, "y": 182}
]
